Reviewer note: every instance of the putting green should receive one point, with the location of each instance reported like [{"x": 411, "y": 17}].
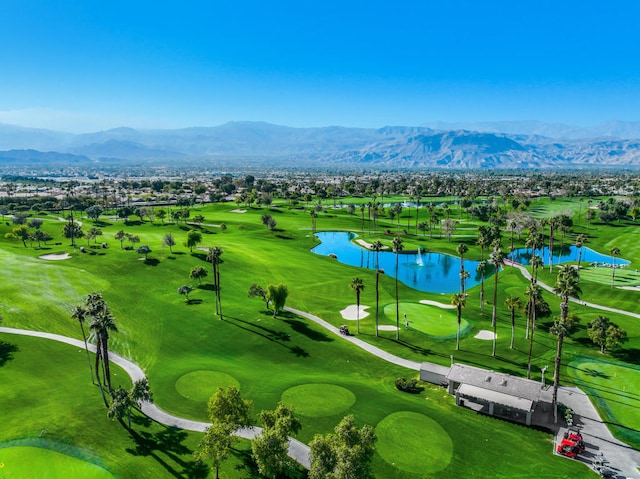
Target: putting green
[
  {"x": 431, "y": 320},
  {"x": 28, "y": 461},
  {"x": 200, "y": 385},
  {"x": 413, "y": 442},
  {"x": 318, "y": 400}
]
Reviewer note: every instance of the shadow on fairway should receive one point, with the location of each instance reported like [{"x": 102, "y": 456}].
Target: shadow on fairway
[
  {"x": 6, "y": 352},
  {"x": 302, "y": 328},
  {"x": 168, "y": 441},
  {"x": 152, "y": 261},
  {"x": 628, "y": 355},
  {"x": 278, "y": 337}
]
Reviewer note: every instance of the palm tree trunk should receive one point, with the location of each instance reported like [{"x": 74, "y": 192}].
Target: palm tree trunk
[
  {"x": 377, "y": 297},
  {"x": 513, "y": 327},
  {"x": 533, "y": 321},
  {"x": 218, "y": 292},
  {"x": 105, "y": 362},
  {"x": 495, "y": 307},
  {"x": 397, "y": 304},
  {"x": 458, "y": 333},
  {"x": 358, "y": 311},
  {"x": 86, "y": 348}
]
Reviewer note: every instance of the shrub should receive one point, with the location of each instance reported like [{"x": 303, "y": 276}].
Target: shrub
[{"x": 408, "y": 385}]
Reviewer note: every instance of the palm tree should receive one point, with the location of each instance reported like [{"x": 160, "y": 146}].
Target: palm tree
[
  {"x": 580, "y": 241},
  {"x": 482, "y": 269},
  {"x": 357, "y": 285},
  {"x": 553, "y": 224},
  {"x": 462, "y": 249},
  {"x": 397, "y": 247},
  {"x": 80, "y": 314},
  {"x": 615, "y": 252},
  {"x": 496, "y": 258},
  {"x": 102, "y": 323},
  {"x": 377, "y": 246},
  {"x": 566, "y": 287},
  {"x": 532, "y": 293},
  {"x": 513, "y": 303},
  {"x": 213, "y": 256},
  {"x": 459, "y": 301},
  {"x": 536, "y": 263}
]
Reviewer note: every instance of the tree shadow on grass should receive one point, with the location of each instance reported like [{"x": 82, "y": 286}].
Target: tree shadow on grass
[
  {"x": 152, "y": 261},
  {"x": 207, "y": 287},
  {"x": 6, "y": 352},
  {"x": 169, "y": 443},
  {"x": 628, "y": 355},
  {"x": 302, "y": 328},
  {"x": 278, "y": 337}
]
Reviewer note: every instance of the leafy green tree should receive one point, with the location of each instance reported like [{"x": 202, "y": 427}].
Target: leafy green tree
[
  {"x": 259, "y": 291},
  {"x": 122, "y": 401},
  {"x": 496, "y": 258},
  {"x": 194, "y": 238},
  {"x": 35, "y": 223},
  {"x": 93, "y": 233},
  {"x": 513, "y": 303},
  {"x": 605, "y": 334},
  {"x": 459, "y": 300},
  {"x": 120, "y": 236},
  {"x": 198, "y": 219},
  {"x": 270, "y": 448},
  {"x": 278, "y": 297},
  {"x": 133, "y": 239},
  {"x": 169, "y": 241},
  {"x": 144, "y": 250},
  {"x": 197, "y": 273},
  {"x": 344, "y": 454},
  {"x": 227, "y": 413},
  {"x": 93, "y": 212},
  {"x": 580, "y": 241},
  {"x": 162, "y": 214},
  {"x": 22, "y": 233},
  {"x": 357, "y": 285},
  {"x": 397, "y": 247},
  {"x": 184, "y": 291}
]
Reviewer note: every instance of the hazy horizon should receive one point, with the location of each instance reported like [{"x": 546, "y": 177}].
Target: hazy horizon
[{"x": 85, "y": 67}]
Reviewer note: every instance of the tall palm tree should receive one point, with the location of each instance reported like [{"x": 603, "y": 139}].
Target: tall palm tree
[
  {"x": 513, "y": 303},
  {"x": 536, "y": 264},
  {"x": 496, "y": 258},
  {"x": 357, "y": 285},
  {"x": 566, "y": 287},
  {"x": 102, "y": 324},
  {"x": 615, "y": 252},
  {"x": 80, "y": 314},
  {"x": 377, "y": 246},
  {"x": 553, "y": 224},
  {"x": 213, "y": 256},
  {"x": 397, "y": 247},
  {"x": 580, "y": 241},
  {"x": 532, "y": 293},
  {"x": 459, "y": 301},
  {"x": 482, "y": 269},
  {"x": 462, "y": 249}
]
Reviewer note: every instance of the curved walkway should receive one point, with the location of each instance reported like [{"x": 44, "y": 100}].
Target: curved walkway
[
  {"x": 297, "y": 450},
  {"x": 527, "y": 275}
]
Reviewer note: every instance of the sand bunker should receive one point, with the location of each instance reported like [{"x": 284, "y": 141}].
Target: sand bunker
[
  {"x": 351, "y": 312},
  {"x": 387, "y": 327},
  {"x": 484, "y": 334},
  {"x": 362, "y": 242},
  {"x": 436, "y": 303},
  {"x": 56, "y": 257},
  {"x": 238, "y": 211},
  {"x": 630, "y": 288}
]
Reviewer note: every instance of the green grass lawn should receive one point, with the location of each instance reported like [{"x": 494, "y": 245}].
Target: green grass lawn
[{"x": 187, "y": 351}]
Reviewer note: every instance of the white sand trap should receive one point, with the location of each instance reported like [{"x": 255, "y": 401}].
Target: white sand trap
[
  {"x": 351, "y": 312},
  {"x": 238, "y": 211},
  {"x": 387, "y": 327},
  {"x": 363, "y": 243},
  {"x": 56, "y": 257},
  {"x": 484, "y": 334},
  {"x": 436, "y": 303}
]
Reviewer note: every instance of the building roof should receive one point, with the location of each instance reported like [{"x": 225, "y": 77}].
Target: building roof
[
  {"x": 466, "y": 390},
  {"x": 435, "y": 368},
  {"x": 497, "y": 382}
]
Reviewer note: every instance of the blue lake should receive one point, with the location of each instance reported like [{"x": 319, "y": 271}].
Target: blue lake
[
  {"x": 435, "y": 272},
  {"x": 568, "y": 253}
]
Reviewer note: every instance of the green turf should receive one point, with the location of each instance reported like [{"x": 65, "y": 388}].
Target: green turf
[
  {"x": 432, "y": 320},
  {"x": 197, "y": 385},
  {"x": 316, "y": 400},
  {"x": 24, "y": 462},
  {"x": 401, "y": 440}
]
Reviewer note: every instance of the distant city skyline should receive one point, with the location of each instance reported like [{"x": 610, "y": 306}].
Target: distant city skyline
[{"x": 84, "y": 66}]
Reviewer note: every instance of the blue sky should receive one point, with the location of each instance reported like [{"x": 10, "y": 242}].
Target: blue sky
[{"x": 86, "y": 65}]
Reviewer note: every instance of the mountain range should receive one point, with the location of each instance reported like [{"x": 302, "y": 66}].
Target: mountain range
[{"x": 504, "y": 145}]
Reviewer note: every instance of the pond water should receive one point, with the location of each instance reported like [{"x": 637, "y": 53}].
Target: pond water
[
  {"x": 567, "y": 254},
  {"x": 437, "y": 272},
  {"x": 427, "y": 271}
]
